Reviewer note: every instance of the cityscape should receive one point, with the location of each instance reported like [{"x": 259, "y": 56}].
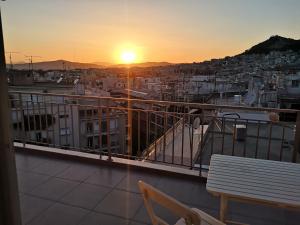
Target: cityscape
[
  {"x": 269, "y": 80},
  {"x": 90, "y": 138}
]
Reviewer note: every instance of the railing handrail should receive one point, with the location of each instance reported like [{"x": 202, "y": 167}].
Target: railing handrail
[{"x": 166, "y": 103}]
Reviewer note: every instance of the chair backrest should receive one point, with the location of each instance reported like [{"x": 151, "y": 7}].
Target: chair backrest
[{"x": 191, "y": 217}]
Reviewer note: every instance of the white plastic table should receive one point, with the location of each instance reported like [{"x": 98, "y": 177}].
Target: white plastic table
[{"x": 253, "y": 180}]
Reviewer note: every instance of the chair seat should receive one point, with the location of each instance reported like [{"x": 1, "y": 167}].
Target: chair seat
[
  {"x": 182, "y": 222},
  {"x": 203, "y": 222}
]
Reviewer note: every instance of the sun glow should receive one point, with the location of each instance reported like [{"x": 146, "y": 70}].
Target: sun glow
[
  {"x": 128, "y": 53},
  {"x": 128, "y": 57}
]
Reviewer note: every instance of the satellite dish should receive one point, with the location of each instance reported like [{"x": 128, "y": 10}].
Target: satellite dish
[{"x": 196, "y": 123}]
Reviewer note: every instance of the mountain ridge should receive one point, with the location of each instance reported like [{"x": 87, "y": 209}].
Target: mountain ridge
[
  {"x": 274, "y": 43},
  {"x": 61, "y": 64}
]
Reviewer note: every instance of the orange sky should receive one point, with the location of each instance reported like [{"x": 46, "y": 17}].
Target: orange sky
[{"x": 168, "y": 30}]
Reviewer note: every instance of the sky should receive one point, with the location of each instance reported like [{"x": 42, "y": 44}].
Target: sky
[{"x": 155, "y": 30}]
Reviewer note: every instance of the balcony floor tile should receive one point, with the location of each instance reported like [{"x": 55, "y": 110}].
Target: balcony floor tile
[
  {"x": 52, "y": 168},
  {"x": 77, "y": 172},
  {"x": 28, "y": 180},
  {"x": 86, "y": 196},
  {"x": 103, "y": 219},
  {"x": 60, "y": 214},
  {"x": 120, "y": 203},
  {"x": 32, "y": 206},
  {"x": 176, "y": 188},
  {"x": 136, "y": 223},
  {"x": 25, "y": 162},
  {"x": 54, "y": 188},
  {"x": 130, "y": 181},
  {"x": 106, "y": 177}
]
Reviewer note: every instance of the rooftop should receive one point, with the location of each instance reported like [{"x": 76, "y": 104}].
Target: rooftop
[{"x": 68, "y": 191}]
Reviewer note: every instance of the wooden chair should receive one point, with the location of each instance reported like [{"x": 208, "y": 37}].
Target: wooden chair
[{"x": 189, "y": 216}]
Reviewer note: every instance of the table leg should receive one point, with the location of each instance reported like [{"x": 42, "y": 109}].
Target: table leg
[{"x": 223, "y": 207}]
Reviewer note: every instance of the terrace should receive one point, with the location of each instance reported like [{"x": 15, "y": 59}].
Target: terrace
[
  {"x": 63, "y": 190},
  {"x": 62, "y": 181}
]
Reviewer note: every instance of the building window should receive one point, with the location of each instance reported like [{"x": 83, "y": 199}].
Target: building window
[
  {"x": 65, "y": 131},
  {"x": 38, "y": 137},
  {"x": 104, "y": 126},
  {"x": 113, "y": 124},
  {"x": 104, "y": 140},
  {"x": 89, "y": 127},
  {"x": 96, "y": 142},
  {"x": 17, "y": 126},
  {"x": 64, "y": 116},
  {"x": 90, "y": 142},
  {"x": 114, "y": 143},
  {"x": 81, "y": 113},
  {"x": 295, "y": 83},
  {"x": 89, "y": 112}
]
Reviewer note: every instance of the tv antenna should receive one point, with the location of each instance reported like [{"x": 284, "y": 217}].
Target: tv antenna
[
  {"x": 30, "y": 58},
  {"x": 10, "y": 59},
  {"x": 64, "y": 65}
]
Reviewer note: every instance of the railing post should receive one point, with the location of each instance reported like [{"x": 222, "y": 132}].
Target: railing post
[
  {"x": 108, "y": 134},
  {"x": 129, "y": 124},
  {"x": 100, "y": 128},
  {"x": 297, "y": 139},
  {"x": 164, "y": 136},
  {"x": 139, "y": 135},
  {"x": 22, "y": 120}
]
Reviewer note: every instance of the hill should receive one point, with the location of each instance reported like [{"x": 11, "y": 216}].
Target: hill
[
  {"x": 274, "y": 43},
  {"x": 57, "y": 65},
  {"x": 61, "y": 64}
]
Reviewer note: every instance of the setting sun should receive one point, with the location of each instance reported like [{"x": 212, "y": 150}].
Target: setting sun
[{"x": 128, "y": 57}]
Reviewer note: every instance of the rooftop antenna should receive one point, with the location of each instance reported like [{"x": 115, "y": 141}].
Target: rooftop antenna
[
  {"x": 10, "y": 59},
  {"x": 30, "y": 63},
  {"x": 64, "y": 66}
]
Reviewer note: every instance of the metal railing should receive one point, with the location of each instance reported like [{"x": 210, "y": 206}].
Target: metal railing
[{"x": 171, "y": 133}]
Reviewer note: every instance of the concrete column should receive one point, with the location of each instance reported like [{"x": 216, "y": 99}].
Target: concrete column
[{"x": 9, "y": 195}]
